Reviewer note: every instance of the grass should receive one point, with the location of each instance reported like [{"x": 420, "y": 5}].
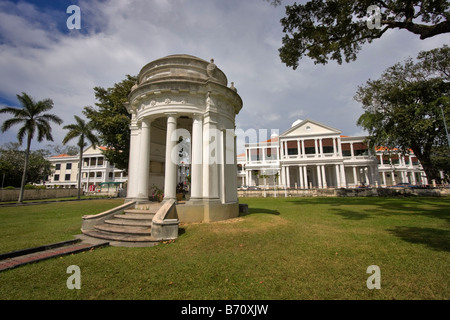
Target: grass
[{"x": 285, "y": 248}]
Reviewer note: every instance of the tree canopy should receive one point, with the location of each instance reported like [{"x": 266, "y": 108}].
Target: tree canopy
[
  {"x": 404, "y": 108},
  {"x": 11, "y": 165},
  {"x": 112, "y": 120},
  {"x": 34, "y": 118},
  {"x": 85, "y": 133},
  {"x": 336, "y": 30}
]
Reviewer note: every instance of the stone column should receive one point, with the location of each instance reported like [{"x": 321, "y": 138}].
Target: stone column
[
  {"x": 335, "y": 151},
  {"x": 303, "y": 148},
  {"x": 319, "y": 179},
  {"x": 300, "y": 172},
  {"x": 320, "y": 147},
  {"x": 338, "y": 176},
  {"x": 305, "y": 177},
  {"x": 210, "y": 157},
  {"x": 144, "y": 161},
  {"x": 133, "y": 164},
  {"x": 288, "y": 178},
  {"x": 355, "y": 179},
  {"x": 324, "y": 177},
  {"x": 316, "y": 148},
  {"x": 170, "y": 180},
  {"x": 343, "y": 177},
  {"x": 197, "y": 157}
]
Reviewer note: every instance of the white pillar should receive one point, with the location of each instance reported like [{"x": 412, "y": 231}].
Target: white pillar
[
  {"x": 211, "y": 159},
  {"x": 338, "y": 176},
  {"x": 335, "y": 152},
  {"x": 144, "y": 161},
  {"x": 343, "y": 176},
  {"x": 305, "y": 177},
  {"x": 319, "y": 179},
  {"x": 298, "y": 149},
  {"x": 316, "y": 148},
  {"x": 133, "y": 164},
  {"x": 300, "y": 173},
  {"x": 303, "y": 148},
  {"x": 320, "y": 147},
  {"x": 339, "y": 147},
  {"x": 288, "y": 178},
  {"x": 383, "y": 174},
  {"x": 351, "y": 150},
  {"x": 197, "y": 157},
  {"x": 355, "y": 178},
  {"x": 324, "y": 177},
  {"x": 170, "y": 179}
]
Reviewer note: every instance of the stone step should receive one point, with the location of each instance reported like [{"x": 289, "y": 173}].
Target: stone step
[
  {"x": 130, "y": 230},
  {"x": 141, "y": 211},
  {"x": 152, "y": 206},
  {"x": 130, "y": 222},
  {"x": 134, "y": 216},
  {"x": 121, "y": 237}
]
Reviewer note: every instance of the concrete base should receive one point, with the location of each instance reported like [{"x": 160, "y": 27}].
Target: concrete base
[{"x": 206, "y": 211}]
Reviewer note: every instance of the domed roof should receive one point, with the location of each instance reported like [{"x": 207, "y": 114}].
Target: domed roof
[{"x": 181, "y": 67}]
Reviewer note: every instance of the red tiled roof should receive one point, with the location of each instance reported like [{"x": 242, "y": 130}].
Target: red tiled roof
[{"x": 61, "y": 156}]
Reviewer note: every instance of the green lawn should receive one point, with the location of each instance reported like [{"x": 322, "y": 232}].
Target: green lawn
[{"x": 285, "y": 248}]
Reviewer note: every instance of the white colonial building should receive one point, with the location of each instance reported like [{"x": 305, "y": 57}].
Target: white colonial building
[
  {"x": 313, "y": 155},
  {"x": 97, "y": 173}
]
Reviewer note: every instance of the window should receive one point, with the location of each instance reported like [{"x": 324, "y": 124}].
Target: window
[
  {"x": 292, "y": 151},
  {"x": 99, "y": 174},
  {"x": 58, "y": 166},
  {"x": 328, "y": 149},
  {"x": 56, "y": 177},
  {"x": 67, "y": 177},
  {"x": 100, "y": 161},
  {"x": 68, "y": 166}
]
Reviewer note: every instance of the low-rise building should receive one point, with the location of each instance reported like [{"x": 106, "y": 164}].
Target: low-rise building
[{"x": 97, "y": 173}]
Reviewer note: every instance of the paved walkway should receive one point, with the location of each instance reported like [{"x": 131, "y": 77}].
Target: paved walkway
[{"x": 19, "y": 258}]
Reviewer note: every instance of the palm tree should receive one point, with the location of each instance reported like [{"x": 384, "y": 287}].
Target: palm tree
[
  {"x": 32, "y": 117},
  {"x": 84, "y": 131}
]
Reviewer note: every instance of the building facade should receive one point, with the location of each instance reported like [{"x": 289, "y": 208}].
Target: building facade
[
  {"x": 313, "y": 155},
  {"x": 97, "y": 173}
]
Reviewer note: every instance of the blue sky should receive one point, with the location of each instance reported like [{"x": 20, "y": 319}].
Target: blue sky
[{"x": 40, "y": 56}]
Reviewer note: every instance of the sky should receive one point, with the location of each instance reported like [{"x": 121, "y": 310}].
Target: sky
[{"x": 41, "y": 56}]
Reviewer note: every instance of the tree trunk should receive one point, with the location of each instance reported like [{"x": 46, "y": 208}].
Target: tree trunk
[
  {"x": 431, "y": 172},
  {"x": 24, "y": 175},
  {"x": 80, "y": 165}
]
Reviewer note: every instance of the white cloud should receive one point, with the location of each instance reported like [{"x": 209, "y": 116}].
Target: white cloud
[{"x": 119, "y": 37}]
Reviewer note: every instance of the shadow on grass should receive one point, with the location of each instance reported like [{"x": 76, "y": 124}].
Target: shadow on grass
[
  {"x": 351, "y": 215},
  {"x": 436, "y": 239},
  {"x": 388, "y": 206},
  {"x": 260, "y": 210}
]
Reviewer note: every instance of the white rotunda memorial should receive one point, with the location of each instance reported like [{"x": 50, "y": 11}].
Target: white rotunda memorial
[{"x": 182, "y": 135}]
